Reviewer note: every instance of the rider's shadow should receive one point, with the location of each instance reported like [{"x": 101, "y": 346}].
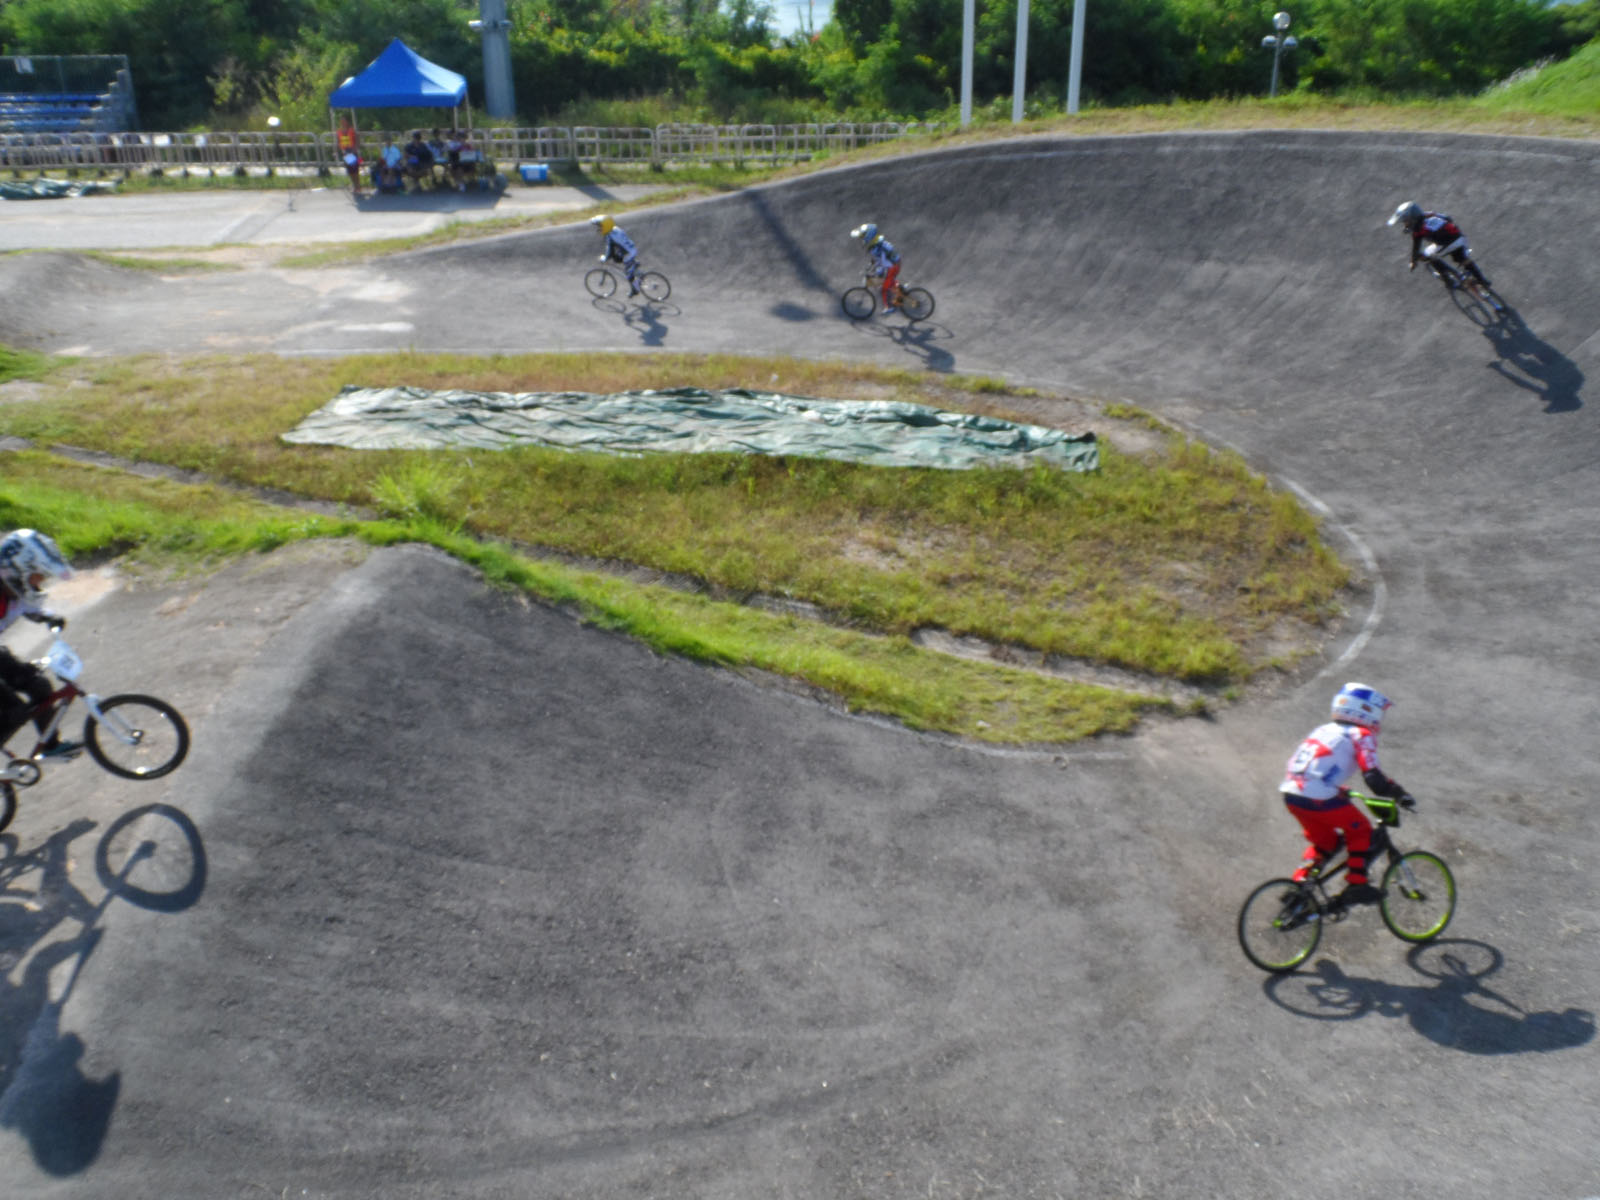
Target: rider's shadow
[
  {"x": 645, "y": 320},
  {"x": 44, "y": 1094},
  {"x": 919, "y": 338},
  {"x": 1455, "y": 1009},
  {"x": 1533, "y": 364}
]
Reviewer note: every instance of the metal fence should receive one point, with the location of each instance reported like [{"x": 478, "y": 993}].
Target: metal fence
[{"x": 315, "y": 152}]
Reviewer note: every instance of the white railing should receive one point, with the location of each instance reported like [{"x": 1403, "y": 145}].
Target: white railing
[{"x": 307, "y": 151}]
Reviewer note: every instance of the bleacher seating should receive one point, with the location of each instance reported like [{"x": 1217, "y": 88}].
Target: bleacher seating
[{"x": 53, "y": 112}]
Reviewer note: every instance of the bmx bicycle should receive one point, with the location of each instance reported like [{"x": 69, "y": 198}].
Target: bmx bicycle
[
  {"x": 1456, "y": 279},
  {"x": 1281, "y": 921},
  {"x": 859, "y": 303},
  {"x": 603, "y": 282},
  {"x": 131, "y": 735}
]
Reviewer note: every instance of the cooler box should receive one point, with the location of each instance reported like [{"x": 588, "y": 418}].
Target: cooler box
[{"x": 535, "y": 173}]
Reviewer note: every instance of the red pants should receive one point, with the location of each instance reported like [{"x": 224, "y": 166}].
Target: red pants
[
  {"x": 889, "y": 278},
  {"x": 1325, "y": 826}
]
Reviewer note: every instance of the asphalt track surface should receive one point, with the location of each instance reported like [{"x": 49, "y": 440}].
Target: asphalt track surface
[{"x": 497, "y": 905}]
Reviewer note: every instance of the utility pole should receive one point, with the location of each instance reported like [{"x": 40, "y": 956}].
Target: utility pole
[{"x": 498, "y": 97}]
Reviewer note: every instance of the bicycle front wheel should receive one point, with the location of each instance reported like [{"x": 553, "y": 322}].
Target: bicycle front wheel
[
  {"x": 600, "y": 282},
  {"x": 8, "y": 804},
  {"x": 1279, "y": 926},
  {"x": 858, "y": 303},
  {"x": 137, "y": 737},
  {"x": 654, "y": 285},
  {"x": 916, "y": 303},
  {"x": 1419, "y": 896}
]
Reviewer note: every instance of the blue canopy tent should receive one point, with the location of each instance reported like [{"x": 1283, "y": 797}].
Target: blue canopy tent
[{"x": 401, "y": 78}]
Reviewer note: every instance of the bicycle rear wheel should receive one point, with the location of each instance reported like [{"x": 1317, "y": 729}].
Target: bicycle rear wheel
[
  {"x": 858, "y": 303},
  {"x": 1279, "y": 926},
  {"x": 600, "y": 282},
  {"x": 654, "y": 285},
  {"x": 140, "y": 737},
  {"x": 916, "y": 303},
  {"x": 1419, "y": 896}
]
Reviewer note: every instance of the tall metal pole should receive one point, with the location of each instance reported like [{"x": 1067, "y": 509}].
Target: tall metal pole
[
  {"x": 1019, "y": 73},
  {"x": 1075, "y": 71},
  {"x": 498, "y": 96},
  {"x": 968, "y": 24}
]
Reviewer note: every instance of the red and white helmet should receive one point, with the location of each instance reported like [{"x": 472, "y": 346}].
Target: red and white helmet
[
  {"x": 29, "y": 560},
  {"x": 1360, "y": 705}
]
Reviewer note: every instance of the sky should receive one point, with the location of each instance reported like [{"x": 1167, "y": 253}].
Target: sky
[{"x": 789, "y": 16}]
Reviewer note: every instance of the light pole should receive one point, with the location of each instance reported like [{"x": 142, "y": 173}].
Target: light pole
[
  {"x": 1278, "y": 43},
  {"x": 498, "y": 98}
]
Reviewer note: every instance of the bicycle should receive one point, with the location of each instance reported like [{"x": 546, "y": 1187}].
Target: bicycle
[
  {"x": 603, "y": 281},
  {"x": 859, "y": 303},
  {"x": 1281, "y": 921},
  {"x": 1455, "y": 279},
  {"x": 129, "y": 734}
]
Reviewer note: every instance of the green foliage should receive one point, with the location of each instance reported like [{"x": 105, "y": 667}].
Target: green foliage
[
  {"x": 197, "y": 60},
  {"x": 1570, "y": 88}
]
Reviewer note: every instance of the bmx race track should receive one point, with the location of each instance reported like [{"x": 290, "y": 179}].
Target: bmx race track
[{"x": 499, "y": 905}]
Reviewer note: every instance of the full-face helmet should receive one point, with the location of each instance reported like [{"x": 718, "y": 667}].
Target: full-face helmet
[
  {"x": 1360, "y": 705},
  {"x": 29, "y": 560},
  {"x": 604, "y": 223},
  {"x": 1408, "y": 215},
  {"x": 868, "y": 234}
]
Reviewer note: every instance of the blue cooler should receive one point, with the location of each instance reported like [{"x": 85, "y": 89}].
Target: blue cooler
[{"x": 535, "y": 173}]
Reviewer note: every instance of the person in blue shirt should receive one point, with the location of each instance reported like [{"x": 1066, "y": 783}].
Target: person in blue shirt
[
  {"x": 883, "y": 260},
  {"x": 619, "y": 248}
]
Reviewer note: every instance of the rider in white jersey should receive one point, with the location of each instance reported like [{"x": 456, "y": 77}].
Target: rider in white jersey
[{"x": 1316, "y": 793}]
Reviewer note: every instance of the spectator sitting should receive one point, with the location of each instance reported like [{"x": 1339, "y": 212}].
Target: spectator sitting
[
  {"x": 437, "y": 144},
  {"x": 466, "y": 163},
  {"x": 419, "y": 160},
  {"x": 386, "y": 171},
  {"x": 452, "y": 158}
]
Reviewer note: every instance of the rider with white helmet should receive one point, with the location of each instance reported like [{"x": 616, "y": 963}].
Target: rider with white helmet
[
  {"x": 1315, "y": 787},
  {"x": 1435, "y": 235},
  {"x": 29, "y": 560},
  {"x": 883, "y": 260}
]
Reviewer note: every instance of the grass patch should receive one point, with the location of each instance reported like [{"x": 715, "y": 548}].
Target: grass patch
[
  {"x": 170, "y": 525},
  {"x": 24, "y": 364},
  {"x": 1180, "y": 564}
]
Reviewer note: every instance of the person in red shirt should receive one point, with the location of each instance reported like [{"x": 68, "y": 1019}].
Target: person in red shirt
[
  {"x": 1435, "y": 235},
  {"x": 1315, "y": 792}
]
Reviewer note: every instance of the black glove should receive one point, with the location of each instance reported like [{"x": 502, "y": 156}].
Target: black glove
[{"x": 1406, "y": 800}]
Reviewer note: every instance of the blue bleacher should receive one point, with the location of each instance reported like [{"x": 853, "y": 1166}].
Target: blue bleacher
[{"x": 50, "y": 112}]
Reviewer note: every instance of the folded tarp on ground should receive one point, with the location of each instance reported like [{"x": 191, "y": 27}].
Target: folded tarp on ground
[
  {"x": 689, "y": 420},
  {"x": 51, "y": 189}
]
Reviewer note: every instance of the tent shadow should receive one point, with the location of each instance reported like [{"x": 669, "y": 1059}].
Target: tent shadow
[{"x": 431, "y": 200}]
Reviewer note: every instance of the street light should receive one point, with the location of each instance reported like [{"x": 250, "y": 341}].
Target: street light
[
  {"x": 1278, "y": 44},
  {"x": 499, "y": 98}
]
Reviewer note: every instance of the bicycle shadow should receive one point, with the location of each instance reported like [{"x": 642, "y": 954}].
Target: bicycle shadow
[
  {"x": 1442, "y": 1011},
  {"x": 918, "y": 338},
  {"x": 645, "y": 320},
  {"x": 1531, "y": 363},
  {"x": 44, "y": 1093}
]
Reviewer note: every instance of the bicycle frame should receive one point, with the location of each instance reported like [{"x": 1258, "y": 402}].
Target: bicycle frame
[{"x": 52, "y": 710}]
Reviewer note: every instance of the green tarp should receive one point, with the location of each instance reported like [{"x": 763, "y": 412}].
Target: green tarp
[
  {"x": 51, "y": 189},
  {"x": 689, "y": 420}
]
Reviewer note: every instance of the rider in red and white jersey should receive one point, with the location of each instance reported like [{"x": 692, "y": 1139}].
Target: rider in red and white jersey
[
  {"x": 1435, "y": 235},
  {"x": 1315, "y": 787}
]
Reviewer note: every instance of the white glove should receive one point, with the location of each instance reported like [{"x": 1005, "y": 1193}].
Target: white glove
[{"x": 602, "y": 258}]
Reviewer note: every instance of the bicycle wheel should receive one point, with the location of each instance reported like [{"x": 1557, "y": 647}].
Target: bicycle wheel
[
  {"x": 858, "y": 303},
  {"x": 8, "y": 804},
  {"x": 655, "y": 286},
  {"x": 600, "y": 282},
  {"x": 140, "y": 737},
  {"x": 1419, "y": 896},
  {"x": 916, "y": 303},
  {"x": 1279, "y": 926}
]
